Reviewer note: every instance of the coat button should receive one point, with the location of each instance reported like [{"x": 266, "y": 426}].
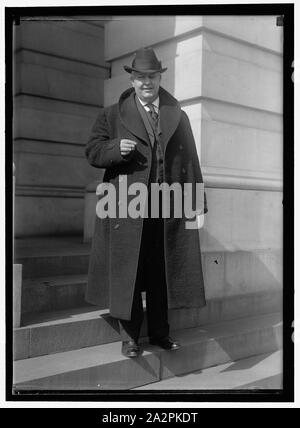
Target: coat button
[
  {"x": 181, "y": 147},
  {"x": 183, "y": 170},
  {"x": 117, "y": 226}
]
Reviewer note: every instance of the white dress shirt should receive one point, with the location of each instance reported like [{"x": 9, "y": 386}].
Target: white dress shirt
[{"x": 155, "y": 103}]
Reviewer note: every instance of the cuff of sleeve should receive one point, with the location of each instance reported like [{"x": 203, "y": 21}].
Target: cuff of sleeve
[{"x": 114, "y": 153}]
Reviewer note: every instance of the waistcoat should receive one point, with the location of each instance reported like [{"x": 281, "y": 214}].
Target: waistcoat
[{"x": 157, "y": 165}]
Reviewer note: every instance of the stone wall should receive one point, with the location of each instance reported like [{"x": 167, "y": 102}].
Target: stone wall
[
  {"x": 227, "y": 73},
  {"x": 59, "y": 70}
]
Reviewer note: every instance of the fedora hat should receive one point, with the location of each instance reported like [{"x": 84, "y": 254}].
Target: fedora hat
[{"x": 145, "y": 61}]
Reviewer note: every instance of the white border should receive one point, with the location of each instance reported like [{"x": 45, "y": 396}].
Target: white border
[{"x": 165, "y": 405}]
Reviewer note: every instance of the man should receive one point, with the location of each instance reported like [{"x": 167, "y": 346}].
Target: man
[{"x": 147, "y": 138}]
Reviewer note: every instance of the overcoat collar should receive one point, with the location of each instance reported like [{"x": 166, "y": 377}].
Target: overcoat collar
[{"x": 169, "y": 110}]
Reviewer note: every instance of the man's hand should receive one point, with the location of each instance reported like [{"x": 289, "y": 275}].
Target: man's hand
[{"x": 127, "y": 147}]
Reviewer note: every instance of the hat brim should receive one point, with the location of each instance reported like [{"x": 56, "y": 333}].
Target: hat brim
[{"x": 130, "y": 70}]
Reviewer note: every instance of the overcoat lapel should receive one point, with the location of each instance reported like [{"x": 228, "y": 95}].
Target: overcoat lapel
[
  {"x": 170, "y": 115},
  {"x": 130, "y": 116}
]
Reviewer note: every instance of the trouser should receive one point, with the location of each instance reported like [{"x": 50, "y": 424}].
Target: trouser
[{"x": 151, "y": 276}]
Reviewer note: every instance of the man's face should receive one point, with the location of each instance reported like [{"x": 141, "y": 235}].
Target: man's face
[{"x": 146, "y": 85}]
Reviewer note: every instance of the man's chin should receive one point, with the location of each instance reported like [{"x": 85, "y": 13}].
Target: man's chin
[{"x": 149, "y": 96}]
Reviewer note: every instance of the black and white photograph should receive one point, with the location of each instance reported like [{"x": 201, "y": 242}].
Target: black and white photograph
[{"x": 149, "y": 153}]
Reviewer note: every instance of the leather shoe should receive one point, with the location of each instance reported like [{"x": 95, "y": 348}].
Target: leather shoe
[
  {"x": 165, "y": 343},
  {"x": 130, "y": 349}
]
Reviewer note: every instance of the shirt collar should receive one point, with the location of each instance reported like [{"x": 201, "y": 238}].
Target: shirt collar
[{"x": 155, "y": 102}]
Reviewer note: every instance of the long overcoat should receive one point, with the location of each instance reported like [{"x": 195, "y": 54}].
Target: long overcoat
[{"x": 116, "y": 243}]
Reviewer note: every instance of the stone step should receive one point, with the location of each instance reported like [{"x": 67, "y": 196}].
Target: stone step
[
  {"x": 56, "y": 264},
  {"x": 65, "y": 330},
  {"x": 259, "y": 372},
  {"x": 104, "y": 368},
  {"x": 55, "y": 278},
  {"x": 53, "y": 293},
  {"x": 52, "y": 256}
]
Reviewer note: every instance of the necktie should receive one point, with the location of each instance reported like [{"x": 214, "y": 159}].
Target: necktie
[{"x": 153, "y": 114}]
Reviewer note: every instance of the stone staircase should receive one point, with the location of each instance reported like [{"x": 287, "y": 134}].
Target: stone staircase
[
  {"x": 65, "y": 344},
  {"x": 263, "y": 371}
]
